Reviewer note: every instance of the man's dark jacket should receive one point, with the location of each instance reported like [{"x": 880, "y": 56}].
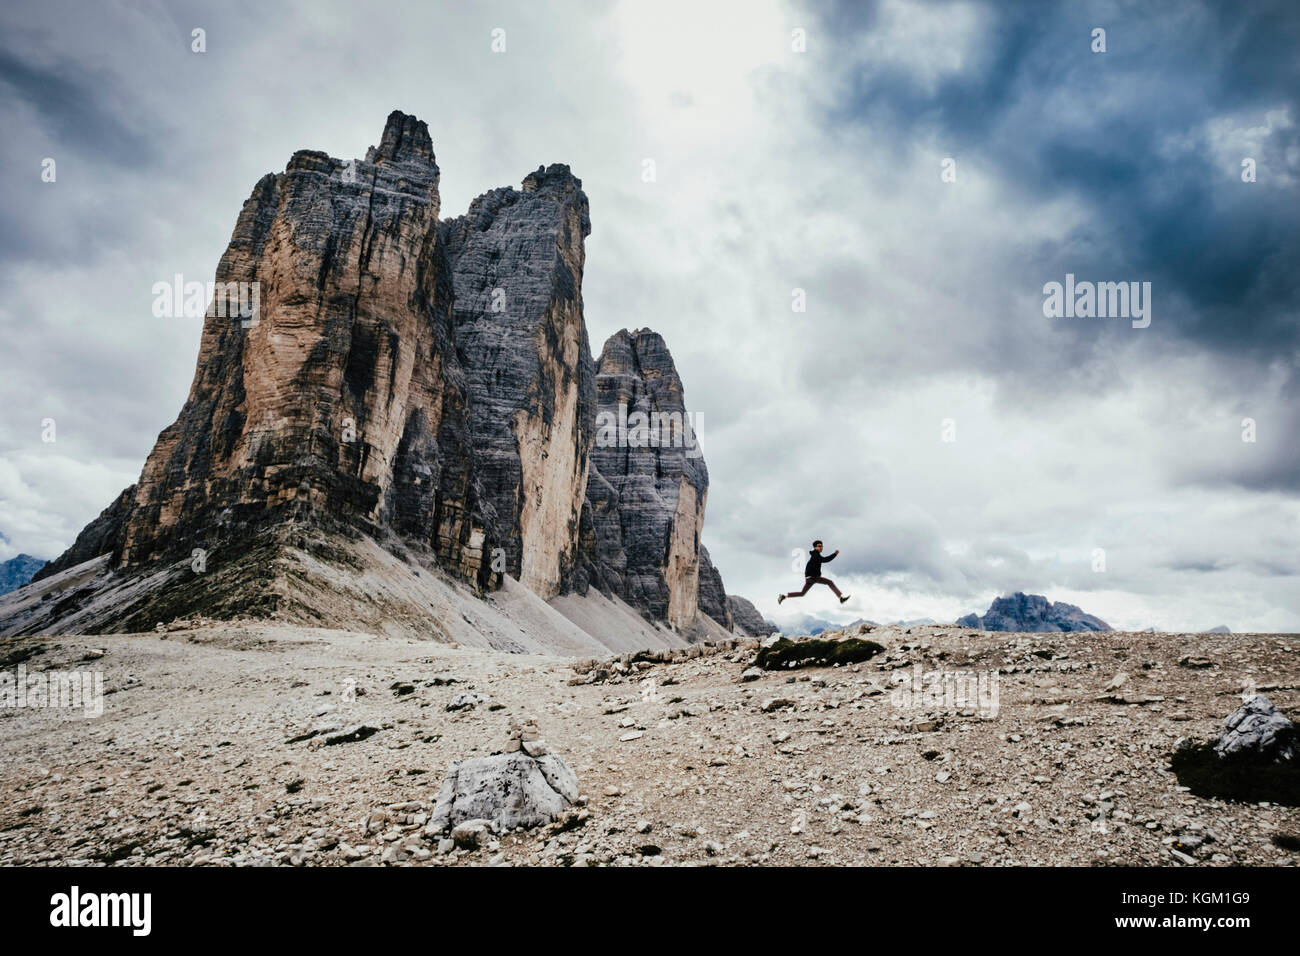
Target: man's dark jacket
[{"x": 813, "y": 569}]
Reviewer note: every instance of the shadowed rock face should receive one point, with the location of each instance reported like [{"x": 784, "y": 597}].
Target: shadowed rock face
[
  {"x": 516, "y": 264},
  {"x": 1033, "y": 614},
  {"x": 428, "y": 384},
  {"x": 745, "y": 616},
  {"x": 712, "y": 594},
  {"x": 647, "y": 492}
]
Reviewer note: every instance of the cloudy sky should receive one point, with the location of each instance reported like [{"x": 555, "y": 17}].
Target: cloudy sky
[{"x": 779, "y": 165}]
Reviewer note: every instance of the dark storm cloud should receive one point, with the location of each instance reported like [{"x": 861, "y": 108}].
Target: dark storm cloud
[
  {"x": 103, "y": 138},
  {"x": 1225, "y": 249},
  {"x": 77, "y": 107}
]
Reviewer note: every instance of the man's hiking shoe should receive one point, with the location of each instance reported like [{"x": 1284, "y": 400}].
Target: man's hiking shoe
[
  {"x": 845, "y": 597},
  {"x": 780, "y": 598}
]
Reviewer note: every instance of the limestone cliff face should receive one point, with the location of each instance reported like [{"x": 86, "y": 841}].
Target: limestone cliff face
[
  {"x": 649, "y": 485},
  {"x": 341, "y": 402},
  {"x": 516, "y": 265},
  {"x": 428, "y": 384}
]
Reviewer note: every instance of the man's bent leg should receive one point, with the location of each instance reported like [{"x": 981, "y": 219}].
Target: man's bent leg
[
  {"x": 807, "y": 583},
  {"x": 828, "y": 582}
]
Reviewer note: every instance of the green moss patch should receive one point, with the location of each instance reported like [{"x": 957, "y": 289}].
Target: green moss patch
[{"x": 815, "y": 652}]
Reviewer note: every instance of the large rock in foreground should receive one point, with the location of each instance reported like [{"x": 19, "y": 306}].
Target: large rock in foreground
[
  {"x": 510, "y": 789},
  {"x": 1255, "y": 759},
  {"x": 1258, "y": 731}
]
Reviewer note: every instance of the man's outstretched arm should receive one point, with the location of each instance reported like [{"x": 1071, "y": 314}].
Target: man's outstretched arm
[{"x": 832, "y": 557}]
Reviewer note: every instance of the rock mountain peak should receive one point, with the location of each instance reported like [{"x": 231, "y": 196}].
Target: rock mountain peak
[
  {"x": 405, "y": 140},
  {"x": 422, "y": 384}
]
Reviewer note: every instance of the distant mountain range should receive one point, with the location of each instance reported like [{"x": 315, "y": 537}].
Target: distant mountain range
[
  {"x": 18, "y": 571},
  {"x": 1018, "y": 612},
  {"x": 1032, "y": 614},
  {"x": 812, "y": 626}
]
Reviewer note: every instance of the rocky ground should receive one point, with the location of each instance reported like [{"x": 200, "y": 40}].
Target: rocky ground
[{"x": 273, "y": 745}]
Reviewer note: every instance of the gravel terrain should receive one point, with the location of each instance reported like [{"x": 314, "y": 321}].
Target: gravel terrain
[{"x": 230, "y": 744}]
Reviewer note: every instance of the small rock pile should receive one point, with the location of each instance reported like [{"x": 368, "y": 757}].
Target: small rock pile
[
  {"x": 182, "y": 624},
  {"x": 525, "y": 736},
  {"x": 627, "y": 667}
]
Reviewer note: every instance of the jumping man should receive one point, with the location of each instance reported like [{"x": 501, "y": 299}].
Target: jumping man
[{"x": 812, "y": 574}]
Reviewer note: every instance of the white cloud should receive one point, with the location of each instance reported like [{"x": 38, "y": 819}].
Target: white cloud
[{"x": 928, "y": 41}]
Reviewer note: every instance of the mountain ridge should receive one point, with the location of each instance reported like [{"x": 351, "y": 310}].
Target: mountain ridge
[
  {"x": 18, "y": 571},
  {"x": 1033, "y": 614},
  {"x": 423, "y": 384}
]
